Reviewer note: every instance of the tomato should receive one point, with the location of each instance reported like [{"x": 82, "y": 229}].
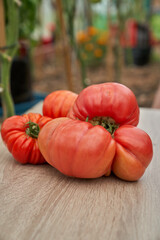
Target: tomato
[
  {"x": 99, "y": 137},
  {"x": 20, "y": 133},
  {"x": 111, "y": 100},
  {"x": 77, "y": 148},
  {"x": 58, "y": 103}
]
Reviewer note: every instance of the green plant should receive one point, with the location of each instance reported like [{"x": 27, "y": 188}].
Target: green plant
[
  {"x": 28, "y": 18},
  {"x": 20, "y": 20},
  {"x": 12, "y": 21}
]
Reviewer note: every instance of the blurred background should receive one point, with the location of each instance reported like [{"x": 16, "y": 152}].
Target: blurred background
[{"x": 71, "y": 44}]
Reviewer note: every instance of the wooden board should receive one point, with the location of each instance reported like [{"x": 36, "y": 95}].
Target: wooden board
[{"x": 38, "y": 202}]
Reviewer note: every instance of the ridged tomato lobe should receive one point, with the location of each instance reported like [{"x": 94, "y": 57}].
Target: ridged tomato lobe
[
  {"x": 78, "y": 148},
  {"x": 133, "y": 152},
  {"x": 112, "y": 100},
  {"x": 58, "y": 103}
]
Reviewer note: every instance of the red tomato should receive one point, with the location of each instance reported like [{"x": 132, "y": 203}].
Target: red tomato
[
  {"x": 20, "y": 133},
  {"x": 112, "y": 100},
  {"x": 77, "y": 148},
  {"x": 98, "y": 138},
  {"x": 58, "y": 103}
]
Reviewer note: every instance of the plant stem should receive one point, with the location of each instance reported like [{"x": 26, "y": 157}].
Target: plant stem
[
  {"x": 88, "y": 12},
  {"x": 32, "y": 129},
  {"x": 7, "y": 101},
  {"x": 12, "y": 12},
  {"x": 66, "y": 48},
  {"x": 83, "y": 72}
]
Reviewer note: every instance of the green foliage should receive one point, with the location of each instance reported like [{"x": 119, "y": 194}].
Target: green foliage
[
  {"x": 131, "y": 9},
  {"x": 28, "y": 17},
  {"x": 95, "y": 1},
  {"x": 68, "y": 5},
  {"x": 155, "y": 57},
  {"x": 155, "y": 26},
  {"x": 100, "y": 21}
]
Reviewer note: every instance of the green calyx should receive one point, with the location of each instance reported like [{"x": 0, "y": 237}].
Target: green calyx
[
  {"x": 108, "y": 123},
  {"x": 32, "y": 129}
]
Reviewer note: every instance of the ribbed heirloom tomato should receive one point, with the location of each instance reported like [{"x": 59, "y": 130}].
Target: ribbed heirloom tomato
[
  {"x": 98, "y": 136},
  {"x": 20, "y": 133},
  {"x": 112, "y": 100},
  {"x": 58, "y": 103}
]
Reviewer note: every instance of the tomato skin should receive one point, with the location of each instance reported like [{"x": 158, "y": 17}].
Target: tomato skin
[
  {"x": 85, "y": 152},
  {"x": 133, "y": 153},
  {"x": 107, "y": 100},
  {"x": 79, "y": 149},
  {"x": 44, "y": 137},
  {"x": 58, "y": 103},
  {"x": 23, "y": 147}
]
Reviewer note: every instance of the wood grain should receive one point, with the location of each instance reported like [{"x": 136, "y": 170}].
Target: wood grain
[{"x": 38, "y": 202}]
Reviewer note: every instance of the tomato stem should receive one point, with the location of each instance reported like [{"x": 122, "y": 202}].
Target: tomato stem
[
  {"x": 108, "y": 123},
  {"x": 32, "y": 129},
  {"x": 87, "y": 118}
]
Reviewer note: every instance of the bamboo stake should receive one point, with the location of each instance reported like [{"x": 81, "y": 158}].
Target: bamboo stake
[
  {"x": 2, "y": 24},
  {"x": 119, "y": 53},
  {"x": 110, "y": 55},
  {"x": 88, "y": 12},
  {"x": 66, "y": 48}
]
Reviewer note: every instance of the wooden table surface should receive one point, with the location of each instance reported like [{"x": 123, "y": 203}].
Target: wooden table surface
[{"x": 39, "y": 203}]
